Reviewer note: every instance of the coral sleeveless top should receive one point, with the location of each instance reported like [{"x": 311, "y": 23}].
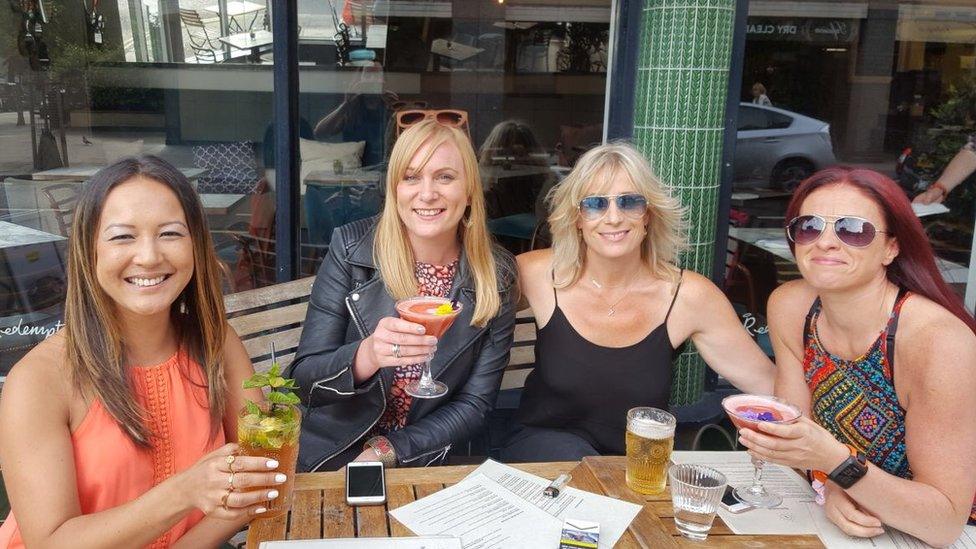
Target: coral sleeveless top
[
  {"x": 111, "y": 470},
  {"x": 856, "y": 400}
]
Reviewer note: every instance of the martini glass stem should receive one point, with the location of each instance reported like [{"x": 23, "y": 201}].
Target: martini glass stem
[
  {"x": 427, "y": 380},
  {"x": 757, "y": 485}
]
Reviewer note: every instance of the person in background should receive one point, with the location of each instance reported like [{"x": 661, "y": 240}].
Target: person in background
[
  {"x": 356, "y": 356},
  {"x": 119, "y": 430},
  {"x": 362, "y": 115},
  {"x": 611, "y": 310},
  {"x": 959, "y": 168},
  {"x": 880, "y": 356},
  {"x": 510, "y": 148},
  {"x": 759, "y": 96}
]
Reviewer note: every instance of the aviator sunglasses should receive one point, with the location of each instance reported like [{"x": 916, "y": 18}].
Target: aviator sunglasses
[
  {"x": 852, "y": 231},
  {"x": 596, "y": 206}
]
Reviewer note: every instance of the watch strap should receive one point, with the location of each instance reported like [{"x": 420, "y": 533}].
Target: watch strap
[{"x": 851, "y": 469}]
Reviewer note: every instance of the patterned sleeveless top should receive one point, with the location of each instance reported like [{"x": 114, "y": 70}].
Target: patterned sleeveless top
[{"x": 855, "y": 400}]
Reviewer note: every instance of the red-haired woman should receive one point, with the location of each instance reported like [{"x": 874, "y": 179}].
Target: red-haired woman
[{"x": 881, "y": 357}]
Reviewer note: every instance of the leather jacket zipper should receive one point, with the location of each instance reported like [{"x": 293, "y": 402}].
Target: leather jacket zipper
[{"x": 363, "y": 334}]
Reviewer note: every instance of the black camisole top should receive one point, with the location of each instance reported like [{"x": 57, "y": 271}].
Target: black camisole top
[{"x": 587, "y": 389}]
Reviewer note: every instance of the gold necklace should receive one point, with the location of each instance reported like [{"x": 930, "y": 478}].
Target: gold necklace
[{"x": 613, "y": 306}]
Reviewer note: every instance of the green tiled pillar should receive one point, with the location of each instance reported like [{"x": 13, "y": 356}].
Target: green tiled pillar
[{"x": 679, "y": 110}]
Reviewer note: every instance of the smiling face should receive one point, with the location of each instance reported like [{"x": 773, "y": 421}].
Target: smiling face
[
  {"x": 431, "y": 197},
  {"x": 143, "y": 250},
  {"x": 828, "y": 263},
  {"x": 615, "y": 234}
]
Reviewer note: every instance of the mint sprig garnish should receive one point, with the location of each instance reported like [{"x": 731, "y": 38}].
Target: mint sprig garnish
[{"x": 281, "y": 390}]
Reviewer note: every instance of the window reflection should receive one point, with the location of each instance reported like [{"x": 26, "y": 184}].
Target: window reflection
[{"x": 889, "y": 87}]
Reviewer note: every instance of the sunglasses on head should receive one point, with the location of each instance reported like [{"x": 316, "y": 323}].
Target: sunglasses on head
[
  {"x": 852, "y": 231},
  {"x": 445, "y": 117},
  {"x": 596, "y": 206}
]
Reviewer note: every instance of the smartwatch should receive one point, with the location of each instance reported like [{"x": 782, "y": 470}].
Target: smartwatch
[{"x": 850, "y": 470}]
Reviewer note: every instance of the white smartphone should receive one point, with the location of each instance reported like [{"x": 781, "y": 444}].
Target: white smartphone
[
  {"x": 731, "y": 504},
  {"x": 365, "y": 483}
]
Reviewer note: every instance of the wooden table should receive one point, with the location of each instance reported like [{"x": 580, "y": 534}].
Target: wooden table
[{"x": 319, "y": 509}]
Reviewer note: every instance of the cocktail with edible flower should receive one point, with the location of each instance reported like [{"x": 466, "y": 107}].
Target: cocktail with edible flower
[{"x": 746, "y": 411}]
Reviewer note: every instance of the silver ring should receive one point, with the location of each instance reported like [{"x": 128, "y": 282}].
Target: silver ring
[{"x": 396, "y": 350}]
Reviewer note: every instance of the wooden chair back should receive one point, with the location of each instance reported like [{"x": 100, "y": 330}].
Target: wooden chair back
[
  {"x": 270, "y": 314},
  {"x": 62, "y": 199},
  {"x": 276, "y": 313}
]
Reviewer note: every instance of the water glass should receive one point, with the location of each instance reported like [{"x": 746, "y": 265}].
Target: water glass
[{"x": 696, "y": 491}]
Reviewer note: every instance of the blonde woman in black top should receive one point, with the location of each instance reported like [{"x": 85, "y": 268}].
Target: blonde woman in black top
[{"x": 611, "y": 308}]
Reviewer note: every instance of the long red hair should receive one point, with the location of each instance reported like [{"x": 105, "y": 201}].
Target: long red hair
[{"x": 914, "y": 268}]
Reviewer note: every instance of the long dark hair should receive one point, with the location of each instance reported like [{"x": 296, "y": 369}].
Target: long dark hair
[
  {"x": 94, "y": 344},
  {"x": 914, "y": 267}
]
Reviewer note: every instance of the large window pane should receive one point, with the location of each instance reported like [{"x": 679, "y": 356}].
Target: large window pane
[
  {"x": 852, "y": 83},
  {"x": 184, "y": 80},
  {"x": 530, "y": 76}
]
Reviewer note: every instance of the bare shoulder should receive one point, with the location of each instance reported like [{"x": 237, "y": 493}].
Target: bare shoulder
[
  {"x": 43, "y": 374},
  {"x": 930, "y": 338},
  {"x": 790, "y": 302},
  {"x": 534, "y": 268},
  {"x": 697, "y": 289},
  {"x": 534, "y": 260}
]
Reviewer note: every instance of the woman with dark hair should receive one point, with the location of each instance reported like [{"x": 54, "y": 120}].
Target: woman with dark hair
[
  {"x": 880, "y": 356},
  {"x": 113, "y": 432}
]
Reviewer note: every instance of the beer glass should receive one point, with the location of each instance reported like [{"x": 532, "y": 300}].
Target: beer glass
[{"x": 650, "y": 439}]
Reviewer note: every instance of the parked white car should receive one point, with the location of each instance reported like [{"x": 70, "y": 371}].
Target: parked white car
[{"x": 779, "y": 148}]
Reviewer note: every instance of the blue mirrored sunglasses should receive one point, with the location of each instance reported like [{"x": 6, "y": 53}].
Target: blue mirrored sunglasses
[{"x": 596, "y": 206}]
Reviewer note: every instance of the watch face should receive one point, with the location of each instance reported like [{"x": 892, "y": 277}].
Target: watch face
[{"x": 849, "y": 472}]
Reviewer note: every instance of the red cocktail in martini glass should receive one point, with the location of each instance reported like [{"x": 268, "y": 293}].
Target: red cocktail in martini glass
[
  {"x": 435, "y": 314},
  {"x": 746, "y": 411}
]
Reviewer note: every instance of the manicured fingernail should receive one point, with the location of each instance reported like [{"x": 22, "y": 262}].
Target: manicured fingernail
[
  {"x": 272, "y": 494},
  {"x": 420, "y": 329},
  {"x": 431, "y": 341},
  {"x": 259, "y": 510},
  {"x": 272, "y": 464},
  {"x": 280, "y": 477}
]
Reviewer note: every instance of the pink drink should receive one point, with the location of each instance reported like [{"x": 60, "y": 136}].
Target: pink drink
[
  {"x": 436, "y": 315},
  {"x": 423, "y": 311},
  {"x": 746, "y": 412}
]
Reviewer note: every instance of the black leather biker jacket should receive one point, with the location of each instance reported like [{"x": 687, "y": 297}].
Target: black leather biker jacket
[{"x": 347, "y": 302}]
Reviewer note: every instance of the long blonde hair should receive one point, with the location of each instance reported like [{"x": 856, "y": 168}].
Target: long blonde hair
[
  {"x": 94, "y": 346},
  {"x": 666, "y": 227},
  {"x": 392, "y": 251}
]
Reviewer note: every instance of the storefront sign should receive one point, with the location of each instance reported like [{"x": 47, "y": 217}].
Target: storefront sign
[{"x": 810, "y": 30}]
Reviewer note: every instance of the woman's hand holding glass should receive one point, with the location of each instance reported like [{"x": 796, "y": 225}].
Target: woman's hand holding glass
[
  {"x": 800, "y": 445},
  {"x": 397, "y": 342},
  {"x": 224, "y": 484}
]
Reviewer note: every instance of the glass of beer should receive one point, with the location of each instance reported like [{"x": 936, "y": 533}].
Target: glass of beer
[{"x": 650, "y": 439}]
